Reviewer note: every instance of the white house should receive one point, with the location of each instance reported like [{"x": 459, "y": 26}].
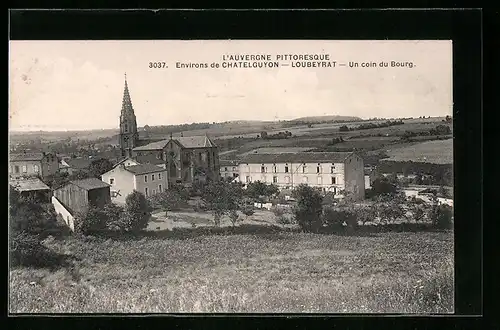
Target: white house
[{"x": 148, "y": 179}]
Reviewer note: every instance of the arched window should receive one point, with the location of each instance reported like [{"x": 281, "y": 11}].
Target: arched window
[{"x": 172, "y": 170}]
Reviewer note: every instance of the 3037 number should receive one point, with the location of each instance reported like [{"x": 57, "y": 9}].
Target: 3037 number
[{"x": 157, "y": 65}]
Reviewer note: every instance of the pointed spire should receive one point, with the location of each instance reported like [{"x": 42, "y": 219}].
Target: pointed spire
[{"x": 126, "y": 103}]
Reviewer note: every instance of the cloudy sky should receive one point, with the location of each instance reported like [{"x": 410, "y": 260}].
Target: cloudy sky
[{"x": 72, "y": 85}]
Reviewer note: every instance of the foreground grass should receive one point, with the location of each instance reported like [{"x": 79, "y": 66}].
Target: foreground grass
[{"x": 282, "y": 272}]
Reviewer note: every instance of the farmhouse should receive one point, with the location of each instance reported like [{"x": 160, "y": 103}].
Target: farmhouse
[
  {"x": 330, "y": 171},
  {"x": 38, "y": 164},
  {"x": 129, "y": 175}
]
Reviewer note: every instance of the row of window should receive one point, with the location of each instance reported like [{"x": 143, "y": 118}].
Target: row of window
[
  {"x": 226, "y": 170},
  {"x": 152, "y": 177},
  {"x": 146, "y": 190},
  {"x": 263, "y": 169},
  {"x": 16, "y": 169},
  {"x": 287, "y": 180},
  {"x": 112, "y": 180}
]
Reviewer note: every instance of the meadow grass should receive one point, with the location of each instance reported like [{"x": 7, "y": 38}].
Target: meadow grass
[{"x": 280, "y": 272}]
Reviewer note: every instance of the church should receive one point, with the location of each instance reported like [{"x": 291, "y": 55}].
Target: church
[{"x": 187, "y": 158}]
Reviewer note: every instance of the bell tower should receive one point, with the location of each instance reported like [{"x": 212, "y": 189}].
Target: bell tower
[{"x": 128, "y": 125}]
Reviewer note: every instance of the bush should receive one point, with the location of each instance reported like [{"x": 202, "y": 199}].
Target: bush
[
  {"x": 28, "y": 251},
  {"x": 248, "y": 210},
  {"x": 309, "y": 208},
  {"x": 441, "y": 216},
  {"x": 339, "y": 219},
  {"x": 113, "y": 213},
  {"x": 92, "y": 221}
]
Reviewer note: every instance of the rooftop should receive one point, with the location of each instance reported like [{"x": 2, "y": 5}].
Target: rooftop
[
  {"x": 188, "y": 142},
  {"x": 300, "y": 157},
  {"x": 27, "y": 156},
  {"x": 144, "y": 169},
  {"x": 90, "y": 184},
  {"x": 31, "y": 184},
  {"x": 79, "y": 163},
  {"x": 228, "y": 162}
]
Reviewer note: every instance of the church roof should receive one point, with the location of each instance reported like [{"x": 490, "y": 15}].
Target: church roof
[{"x": 188, "y": 142}]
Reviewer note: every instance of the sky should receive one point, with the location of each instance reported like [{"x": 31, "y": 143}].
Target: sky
[{"x": 78, "y": 85}]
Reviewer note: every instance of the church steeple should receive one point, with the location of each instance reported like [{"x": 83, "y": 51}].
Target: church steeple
[
  {"x": 127, "y": 102},
  {"x": 128, "y": 124}
]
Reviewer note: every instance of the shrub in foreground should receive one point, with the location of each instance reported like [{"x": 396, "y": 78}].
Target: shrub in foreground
[
  {"x": 309, "y": 208},
  {"x": 339, "y": 219}
]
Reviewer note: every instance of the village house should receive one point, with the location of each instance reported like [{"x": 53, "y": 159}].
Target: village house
[
  {"x": 187, "y": 159},
  {"x": 228, "y": 168},
  {"x": 129, "y": 175},
  {"x": 75, "y": 165},
  {"x": 329, "y": 171},
  {"x": 38, "y": 164},
  {"x": 32, "y": 188}
]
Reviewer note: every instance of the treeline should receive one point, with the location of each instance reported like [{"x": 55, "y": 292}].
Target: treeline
[
  {"x": 279, "y": 135},
  {"x": 387, "y": 123},
  {"x": 427, "y": 173},
  {"x": 166, "y": 129},
  {"x": 310, "y": 123},
  {"x": 439, "y": 130}
]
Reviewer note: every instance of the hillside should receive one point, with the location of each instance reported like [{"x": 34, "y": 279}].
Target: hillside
[{"x": 318, "y": 119}]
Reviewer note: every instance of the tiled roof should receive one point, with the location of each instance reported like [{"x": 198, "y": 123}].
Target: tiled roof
[
  {"x": 187, "y": 142},
  {"x": 79, "y": 163},
  {"x": 300, "y": 157},
  {"x": 30, "y": 184},
  {"x": 26, "y": 156},
  {"x": 228, "y": 162},
  {"x": 90, "y": 184},
  {"x": 195, "y": 141},
  {"x": 144, "y": 169}
]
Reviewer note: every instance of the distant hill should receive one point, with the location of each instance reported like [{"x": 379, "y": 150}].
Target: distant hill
[{"x": 314, "y": 119}]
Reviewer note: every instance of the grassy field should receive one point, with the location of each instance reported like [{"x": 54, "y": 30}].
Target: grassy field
[
  {"x": 275, "y": 272},
  {"x": 437, "y": 152}
]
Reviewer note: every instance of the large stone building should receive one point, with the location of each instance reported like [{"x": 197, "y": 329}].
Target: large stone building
[
  {"x": 330, "y": 171},
  {"x": 186, "y": 159}
]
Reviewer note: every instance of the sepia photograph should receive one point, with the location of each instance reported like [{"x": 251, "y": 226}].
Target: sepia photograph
[{"x": 231, "y": 176}]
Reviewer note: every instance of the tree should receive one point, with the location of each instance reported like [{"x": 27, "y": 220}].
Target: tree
[
  {"x": 383, "y": 186},
  {"x": 168, "y": 200},
  {"x": 443, "y": 192},
  {"x": 247, "y": 210},
  {"x": 309, "y": 207},
  {"x": 91, "y": 221},
  {"x": 234, "y": 217},
  {"x": 343, "y": 128},
  {"x": 100, "y": 166},
  {"x": 137, "y": 212},
  {"x": 57, "y": 180},
  {"x": 259, "y": 189},
  {"x": 221, "y": 197},
  {"x": 389, "y": 208}
]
